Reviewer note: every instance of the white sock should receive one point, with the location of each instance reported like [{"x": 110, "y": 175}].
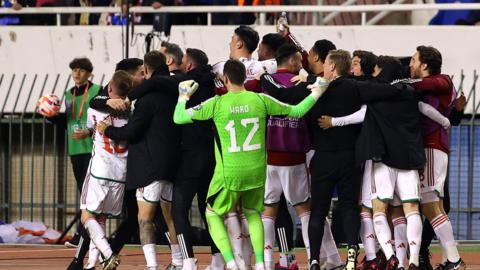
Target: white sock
[
  {"x": 189, "y": 264},
  {"x": 150, "y": 255},
  {"x": 384, "y": 235},
  {"x": 401, "y": 241},
  {"x": 234, "y": 233},
  {"x": 177, "y": 258},
  {"x": 444, "y": 231},
  {"x": 269, "y": 233},
  {"x": 444, "y": 254},
  {"x": 217, "y": 261},
  {"x": 414, "y": 235},
  {"x": 247, "y": 243},
  {"x": 285, "y": 259},
  {"x": 323, "y": 255},
  {"x": 328, "y": 242},
  {"x": 93, "y": 254},
  {"x": 97, "y": 235},
  {"x": 305, "y": 219},
  {"x": 367, "y": 235},
  {"x": 231, "y": 264},
  {"x": 259, "y": 266}
]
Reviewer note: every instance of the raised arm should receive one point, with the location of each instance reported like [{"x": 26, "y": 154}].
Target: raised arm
[{"x": 204, "y": 111}]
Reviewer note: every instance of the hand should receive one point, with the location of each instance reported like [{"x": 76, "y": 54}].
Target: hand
[
  {"x": 80, "y": 134},
  {"x": 102, "y": 126},
  {"x": 259, "y": 74},
  {"x": 325, "y": 122},
  {"x": 460, "y": 102},
  {"x": 186, "y": 89},
  {"x": 298, "y": 79},
  {"x": 319, "y": 86},
  {"x": 17, "y": 6},
  {"x": 157, "y": 5},
  {"x": 118, "y": 104},
  {"x": 446, "y": 124}
]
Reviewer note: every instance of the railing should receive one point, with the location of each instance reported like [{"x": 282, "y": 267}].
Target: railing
[{"x": 363, "y": 9}]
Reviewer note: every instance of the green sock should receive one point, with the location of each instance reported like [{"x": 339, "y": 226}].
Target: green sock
[
  {"x": 255, "y": 225},
  {"x": 219, "y": 234}
]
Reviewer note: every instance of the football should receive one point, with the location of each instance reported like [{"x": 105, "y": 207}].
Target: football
[{"x": 48, "y": 105}]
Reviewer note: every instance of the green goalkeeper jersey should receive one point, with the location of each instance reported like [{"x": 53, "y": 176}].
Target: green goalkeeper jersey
[{"x": 240, "y": 122}]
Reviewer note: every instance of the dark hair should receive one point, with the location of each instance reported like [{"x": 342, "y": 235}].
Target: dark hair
[
  {"x": 285, "y": 52},
  {"x": 392, "y": 69},
  {"x": 122, "y": 81},
  {"x": 197, "y": 56},
  {"x": 82, "y": 63},
  {"x": 248, "y": 36},
  {"x": 129, "y": 64},
  {"x": 342, "y": 61},
  {"x": 235, "y": 71},
  {"x": 432, "y": 57},
  {"x": 367, "y": 61},
  {"x": 174, "y": 50},
  {"x": 273, "y": 41},
  {"x": 322, "y": 48},
  {"x": 156, "y": 61}
]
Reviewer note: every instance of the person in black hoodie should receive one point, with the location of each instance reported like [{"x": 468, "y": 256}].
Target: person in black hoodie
[
  {"x": 334, "y": 161},
  {"x": 153, "y": 151},
  {"x": 197, "y": 156}
]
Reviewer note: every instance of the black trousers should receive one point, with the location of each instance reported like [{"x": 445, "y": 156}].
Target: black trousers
[
  {"x": 80, "y": 166},
  {"x": 194, "y": 175},
  {"x": 128, "y": 228},
  {"x": 330, "y": 169},
  {"x": 428, "y": 233}
]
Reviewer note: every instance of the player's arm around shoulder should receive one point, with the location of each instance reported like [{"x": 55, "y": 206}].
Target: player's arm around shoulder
[{"x": 275, "y": 107}]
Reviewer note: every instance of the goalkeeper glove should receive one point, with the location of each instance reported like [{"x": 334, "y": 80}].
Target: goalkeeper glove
[
  {"x": 186, "y": 90},
  {"x": 318, "y": 87}
]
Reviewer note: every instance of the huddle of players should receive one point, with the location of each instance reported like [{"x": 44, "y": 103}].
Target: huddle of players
[{"x": 389, "y": 146}]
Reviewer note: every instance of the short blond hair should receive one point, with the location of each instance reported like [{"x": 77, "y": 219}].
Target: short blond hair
[
  {"x": 342, "y": 61},
  {"x": 122, "y": 81}
]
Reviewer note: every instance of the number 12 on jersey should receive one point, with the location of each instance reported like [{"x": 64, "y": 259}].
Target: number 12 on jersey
[{"x": 253, "y": 124}]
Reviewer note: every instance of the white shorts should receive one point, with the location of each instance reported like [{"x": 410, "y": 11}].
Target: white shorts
[
  {"x": 102, "y": 196},
  {"x": 366, "y": 194},
  {"x": 389, "y": 182},
  {"x": 432, "y": 177},
  {"x": 293, "y": 181},
  {"x": 156, "y": 191}
]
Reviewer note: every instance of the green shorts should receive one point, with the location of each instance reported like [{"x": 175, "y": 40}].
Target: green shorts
[{"x": 223, "y": 201}]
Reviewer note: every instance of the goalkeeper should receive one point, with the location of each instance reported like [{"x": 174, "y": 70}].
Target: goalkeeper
[{"x": 240, "y": 172}]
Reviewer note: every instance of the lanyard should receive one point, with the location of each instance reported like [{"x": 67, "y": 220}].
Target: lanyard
[{"x": 80, "y": 113}]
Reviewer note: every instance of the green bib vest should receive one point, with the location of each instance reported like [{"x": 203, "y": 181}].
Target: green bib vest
[{"x": 76, "y": 147}]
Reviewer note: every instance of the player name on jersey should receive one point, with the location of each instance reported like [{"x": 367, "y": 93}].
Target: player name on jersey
[{"x": 239, "y": 109}]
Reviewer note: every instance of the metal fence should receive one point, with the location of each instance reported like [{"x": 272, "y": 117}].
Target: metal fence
[{"x": 37, "y": 183}]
